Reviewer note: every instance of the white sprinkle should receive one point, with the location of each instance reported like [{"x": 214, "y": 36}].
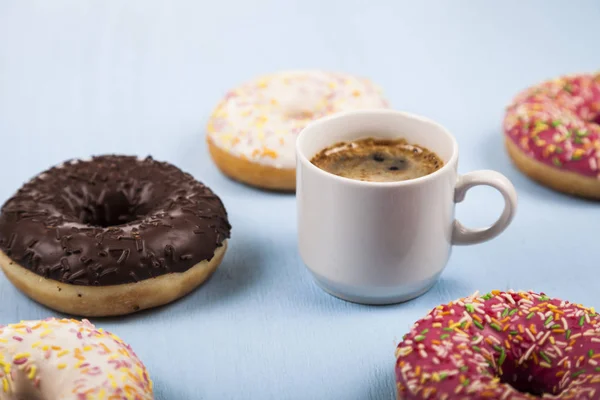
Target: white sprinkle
[
  {"x": 541, "y": 343},
  {"x": 557, "y": 349},
  {"x": 527, "y": 354},
  {"x": 539, "y": 335},
  {"x": 562, "y": 361},
  {"x": 530, "y": 335},
  {"x": 509, "y": 298}
]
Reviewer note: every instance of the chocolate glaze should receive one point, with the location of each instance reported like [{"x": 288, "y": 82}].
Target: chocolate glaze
[{"x": 112, "y": 220}]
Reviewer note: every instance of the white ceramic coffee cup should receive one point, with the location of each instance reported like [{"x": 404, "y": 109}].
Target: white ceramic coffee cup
[{"x": 385, "y": 242}]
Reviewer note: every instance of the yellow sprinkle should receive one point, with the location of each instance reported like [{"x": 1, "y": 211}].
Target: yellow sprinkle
[
  {"x": 21, "y": 355},
  {"x": 46, "y": 333},
  {"x": 63, "y": 353},
  {"x": 549, "y": 150},
  {"x": 5, "y": 385},
  {"x": 46, "y": 348},
  {"x": 2, "y": 340},
  {"x": 32, "y": 372},
  {"x": 61, "y": 366},
  {"x": 113, "y": 383},
  {"x": 578, "y": 152},
  {"x": 539, "y": 127},
  {"x": 261, "y": 121},
  {"x": 6, "y": 366},
  {"x": 269, "y": 153},
  {"x": 87, "y": 348},
  {"x": 460, "y": 332},
  {"x": 36, "y": 344}
]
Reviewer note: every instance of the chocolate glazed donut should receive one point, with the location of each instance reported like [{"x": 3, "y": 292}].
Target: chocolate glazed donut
[{"x": 111, "y": 235}]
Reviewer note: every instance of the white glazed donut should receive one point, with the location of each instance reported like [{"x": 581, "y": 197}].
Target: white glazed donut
[
  {"x": 252, "y": 132},
  {"x": 65, "y": 359}
]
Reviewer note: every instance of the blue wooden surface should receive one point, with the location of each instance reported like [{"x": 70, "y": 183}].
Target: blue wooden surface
[{"x": 89, "y": 77}]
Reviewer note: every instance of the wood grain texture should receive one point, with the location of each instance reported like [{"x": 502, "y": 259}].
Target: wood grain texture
[{"x": 141, "y": 76}]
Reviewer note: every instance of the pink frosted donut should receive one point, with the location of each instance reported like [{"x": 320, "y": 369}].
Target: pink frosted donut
[
  {"x": 502, "y": 346},
  {"x": 68, "y": 360},
  {"x": 552, "y": 134}
]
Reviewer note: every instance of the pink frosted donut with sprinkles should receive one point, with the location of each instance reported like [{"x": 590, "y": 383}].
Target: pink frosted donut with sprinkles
[
  {"x": 67, "y": 359},
  {"x": 502, "y": 345},
  {"x": 552, "y": 134},
  {"x": 252, "y": 132}
]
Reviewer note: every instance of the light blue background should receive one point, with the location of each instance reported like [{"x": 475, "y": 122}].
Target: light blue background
[{"x": 90, "y": 77}]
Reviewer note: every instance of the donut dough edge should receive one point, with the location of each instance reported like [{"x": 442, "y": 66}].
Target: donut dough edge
[
  {"x": 253, "y": 174},
  {"x": 114, "y": 300},
  {"x": 562, "y": 181}
]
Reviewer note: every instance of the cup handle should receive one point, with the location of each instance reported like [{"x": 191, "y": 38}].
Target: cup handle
[{"x": 462, "y": 235}]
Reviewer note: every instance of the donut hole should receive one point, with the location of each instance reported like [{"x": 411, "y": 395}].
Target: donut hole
[
  {"x": 114, "y": 208},
  {"x": 524, "y": 382},
  {"x": 527, "y": 379}
]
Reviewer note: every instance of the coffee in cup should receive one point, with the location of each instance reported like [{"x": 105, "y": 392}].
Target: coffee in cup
[{"x": 378, "y": 160}]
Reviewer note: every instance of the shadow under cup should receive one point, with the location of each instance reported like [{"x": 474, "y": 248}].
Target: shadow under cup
[{"x": 375, "y": 242}]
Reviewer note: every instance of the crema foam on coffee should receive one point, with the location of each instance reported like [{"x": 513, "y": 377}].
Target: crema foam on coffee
[{"x": 378, "y": 160}]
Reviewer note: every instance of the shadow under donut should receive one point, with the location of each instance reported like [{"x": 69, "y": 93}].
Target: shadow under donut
[
  {"x": 194, "y": 158},
  {"x": 239, "y": 271},
  {"x": 164, "y": 390}
]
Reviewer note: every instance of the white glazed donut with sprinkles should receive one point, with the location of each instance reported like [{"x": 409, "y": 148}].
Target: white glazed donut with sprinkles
[
  {"x": 252, "y": 132},
  {"x": 65, "y": 359}
]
